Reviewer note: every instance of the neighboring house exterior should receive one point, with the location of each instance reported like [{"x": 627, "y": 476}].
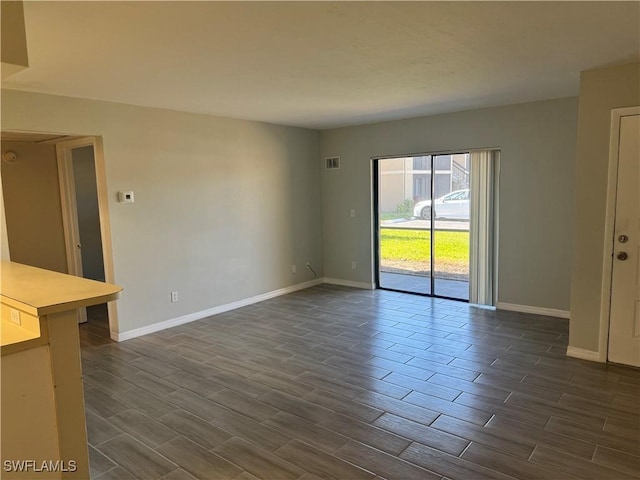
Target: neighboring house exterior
[{"x": 409, "y": 178}]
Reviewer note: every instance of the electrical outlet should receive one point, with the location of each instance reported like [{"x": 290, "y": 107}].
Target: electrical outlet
[
  {"x": 294, "y": 269},
  {"x": 353, "y": 265},
  {"x": 15, "y": 316},
  {"x": 174, "y": 297},
  {"x": 352, "y": 213}
]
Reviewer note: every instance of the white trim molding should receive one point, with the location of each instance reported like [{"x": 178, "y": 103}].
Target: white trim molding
[
  {"x": 549, "y": 312},
  {"x": 583, "y": 354},
  {"x": 192, "y": 317},
  {"x": 349, "y": 283}
]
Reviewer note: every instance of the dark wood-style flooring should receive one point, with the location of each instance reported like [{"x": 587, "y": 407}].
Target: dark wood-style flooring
[{"x": 347, "y": 384}]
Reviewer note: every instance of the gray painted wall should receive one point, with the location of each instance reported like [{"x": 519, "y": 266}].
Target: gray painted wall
[
  {"x": 600, "y": 92},
  {"x": 536, "y": 191},
  {"x": 84, "y": 178},
  {"x": 223, "y": 207},
  {"x": 33, "y": 212}
]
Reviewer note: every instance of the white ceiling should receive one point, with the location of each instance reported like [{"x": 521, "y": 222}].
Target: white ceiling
[{"x": 322, "y": 64}]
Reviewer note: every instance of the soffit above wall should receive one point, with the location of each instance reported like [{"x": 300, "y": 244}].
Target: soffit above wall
[
  {"x": 14, "y": 42},
  {"x": 20, "y": 137}
]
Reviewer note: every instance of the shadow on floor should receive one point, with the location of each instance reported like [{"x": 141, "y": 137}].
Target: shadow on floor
[
  {"x": 422, "y": 284},
  {"x": 95, "y": 331}
]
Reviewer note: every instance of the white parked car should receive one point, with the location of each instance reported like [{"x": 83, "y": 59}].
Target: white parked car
[{"x": 452, "y": 205}]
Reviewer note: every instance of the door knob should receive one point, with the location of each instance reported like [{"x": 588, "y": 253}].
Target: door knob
[
  {"x": 623, "y": 239},
  {"x": 622, "y": 256}
]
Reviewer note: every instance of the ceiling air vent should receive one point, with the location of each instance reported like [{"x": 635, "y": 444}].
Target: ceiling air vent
[{"x": 332, "y": 163}]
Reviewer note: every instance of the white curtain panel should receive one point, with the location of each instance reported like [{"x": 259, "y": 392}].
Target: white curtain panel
[{"x": 483, "y": 271}]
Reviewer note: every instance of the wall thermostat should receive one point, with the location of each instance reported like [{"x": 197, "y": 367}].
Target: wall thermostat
[{"x": 125, "y": 197}]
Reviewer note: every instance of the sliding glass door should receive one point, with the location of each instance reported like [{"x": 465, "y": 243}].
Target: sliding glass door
[{"x": 423, "y": 213}]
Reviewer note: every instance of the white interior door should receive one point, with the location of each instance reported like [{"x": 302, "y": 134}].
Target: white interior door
[
  {"x": 624, "y": 323},
  {"x": 70, "y": 212}
]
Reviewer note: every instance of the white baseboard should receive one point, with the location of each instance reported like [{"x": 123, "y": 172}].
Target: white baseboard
[
  {"x": 549, "y": 312},
  {"x": 582, "y": 354},
  {"x": 191, "y": 317},
  {"x": 349, "y": 283}
]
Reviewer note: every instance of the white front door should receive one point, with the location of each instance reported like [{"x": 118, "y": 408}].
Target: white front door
[{"x": 624, "y": 323}]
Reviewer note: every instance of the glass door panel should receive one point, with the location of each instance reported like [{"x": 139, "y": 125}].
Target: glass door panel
[
  {"x": 451, "y": 227},
  {"x": 404, "y": 239}
]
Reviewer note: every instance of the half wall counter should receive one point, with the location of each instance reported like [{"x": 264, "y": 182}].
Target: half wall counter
[{"x": 42, "y": 416}]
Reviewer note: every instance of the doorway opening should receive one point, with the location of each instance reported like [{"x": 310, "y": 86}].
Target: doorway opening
[
  {"x": 57, "y": 216},
  {"x": 83, "y": 208},
  {"x": 435, "y": 218}
]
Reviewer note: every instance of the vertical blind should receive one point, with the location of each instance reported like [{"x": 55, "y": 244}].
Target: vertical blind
[{"x": 483, "y": 248}]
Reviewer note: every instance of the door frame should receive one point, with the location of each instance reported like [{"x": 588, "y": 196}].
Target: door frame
[
  {"x": 68, "y": 202},
  {"x": 609, "y": 229},
  {"x": 70, "y": 214},
  {"x": 374, "y": 171}
]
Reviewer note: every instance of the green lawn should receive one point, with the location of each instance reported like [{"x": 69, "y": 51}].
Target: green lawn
[{"x": 400, "y": 246}]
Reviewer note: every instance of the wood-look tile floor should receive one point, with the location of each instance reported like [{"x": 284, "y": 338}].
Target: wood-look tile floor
[{"x": 339, "y": 383}]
